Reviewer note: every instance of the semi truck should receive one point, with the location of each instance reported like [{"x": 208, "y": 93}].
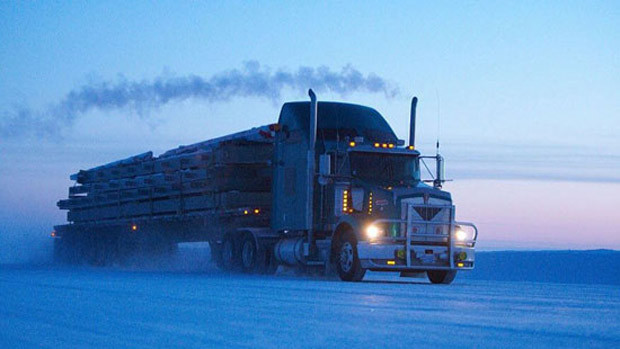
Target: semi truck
[{"x": 328, "y": 187}]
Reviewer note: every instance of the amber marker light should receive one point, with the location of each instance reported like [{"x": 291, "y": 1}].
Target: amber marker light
[
  {"x": 351, "y": 144},
  {"x": 256, "y": 211},
  {"x": 377, "y": 145},
  {"x": 134, "y": 227}
]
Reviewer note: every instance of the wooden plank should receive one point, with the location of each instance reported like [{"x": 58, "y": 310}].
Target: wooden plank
[
  {"x": 204, "y": 202},
  {"x": 166, "y": 205},
  {"x": 244, "y": 199},
  {"x": 135, "y": 208},
  {"x": 244, "y": 153}
]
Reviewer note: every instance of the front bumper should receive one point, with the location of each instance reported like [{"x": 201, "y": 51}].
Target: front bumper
[
  {"x": 392, "y": 257},
  {"x": 436, "y": 252}
]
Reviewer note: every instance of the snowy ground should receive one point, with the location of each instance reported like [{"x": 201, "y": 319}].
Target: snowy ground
[{"x": 200, "y": 307}]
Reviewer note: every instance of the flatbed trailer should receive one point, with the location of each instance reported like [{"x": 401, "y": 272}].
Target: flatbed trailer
[{"x": 329, "y": 186}]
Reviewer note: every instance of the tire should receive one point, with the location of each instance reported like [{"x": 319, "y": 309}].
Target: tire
[
  {"x": 270, "y": 264},
  {"x": 347, "y": 262},
  {"x": 441, "y": 276},
  {"x": 215, "y": 252},
  {"x": 249, "y": 256},
  {"x": 91, "y": 249},
  {"x": 127, "y": 248},
  {"x": 159, "y": 245},
  {"x": 62, "y": 252},
  {"x": 229, "y": 259}
]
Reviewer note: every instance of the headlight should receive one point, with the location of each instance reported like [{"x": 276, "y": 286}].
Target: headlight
[
  {"x": 463, "y": 234},
  {"x": 460, "y": 234},
  {"x": 372, "y": 232}
]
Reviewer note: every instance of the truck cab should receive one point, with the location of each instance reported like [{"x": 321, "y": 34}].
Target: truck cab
[{"x": 370, "y": 207}]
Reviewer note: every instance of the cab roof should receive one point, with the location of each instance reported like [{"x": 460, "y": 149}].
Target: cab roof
[{"x": 337, "y": 121}]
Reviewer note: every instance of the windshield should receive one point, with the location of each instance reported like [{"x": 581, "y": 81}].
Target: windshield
[{"x": 385, "y": 168}]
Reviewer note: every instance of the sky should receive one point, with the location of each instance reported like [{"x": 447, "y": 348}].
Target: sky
[{"x": 524, "y": 96}]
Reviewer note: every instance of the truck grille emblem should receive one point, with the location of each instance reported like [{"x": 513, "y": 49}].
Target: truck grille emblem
[{"x": 427, "y": 213}]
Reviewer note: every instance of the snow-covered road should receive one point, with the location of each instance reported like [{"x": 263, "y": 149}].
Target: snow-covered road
[{"x": 91, "y": 307}]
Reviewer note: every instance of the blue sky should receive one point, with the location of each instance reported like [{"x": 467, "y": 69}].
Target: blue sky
[{"x": 527, "y": 94}]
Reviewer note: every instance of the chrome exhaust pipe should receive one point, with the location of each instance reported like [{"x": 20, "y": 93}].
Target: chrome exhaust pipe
[
  {"x": 414, "y": 103},
  {"x": 310, "y": 165}
]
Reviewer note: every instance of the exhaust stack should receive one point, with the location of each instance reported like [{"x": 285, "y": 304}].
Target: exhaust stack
[
  {"x": 414, "y": 103},
  {"x": 313, "y": 120},
  {"x": 310, "y": 166}
]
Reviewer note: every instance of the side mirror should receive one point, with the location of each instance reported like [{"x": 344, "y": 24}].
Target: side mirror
[
  {"x": 325, "y": 165},
  {"x": 440, "y": 176}
]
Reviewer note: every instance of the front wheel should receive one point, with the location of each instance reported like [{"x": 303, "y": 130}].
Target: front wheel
[
  {"x": 347, "y": 262},
  {"x": 441, "y": 276}
]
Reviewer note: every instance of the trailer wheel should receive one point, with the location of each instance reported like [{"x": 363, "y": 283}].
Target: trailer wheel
[
  {"x": 441, "y": 276},
  {"x": 229, "y": 254},
  {"x": 347, "y": 262},
  {"x": 216, "y": 253},
  {"x": 91, "y": 249},
  {"x": 249, "y": 254},
  {"x": 63, "y": 252}
]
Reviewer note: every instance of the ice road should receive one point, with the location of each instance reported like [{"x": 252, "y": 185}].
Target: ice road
[{"x": 48, "y": 306}]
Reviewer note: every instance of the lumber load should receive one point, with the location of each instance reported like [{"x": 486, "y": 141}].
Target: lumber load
[{"x": 224, "y": 174}]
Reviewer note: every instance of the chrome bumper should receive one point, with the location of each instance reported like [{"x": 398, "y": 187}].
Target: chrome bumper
[{"x": 409, "y": 253}]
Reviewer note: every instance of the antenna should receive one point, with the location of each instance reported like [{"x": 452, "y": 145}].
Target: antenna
[{"x": 438, "y": 122}]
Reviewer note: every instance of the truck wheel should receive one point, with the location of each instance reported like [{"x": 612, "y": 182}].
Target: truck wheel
[
  {"x": 347, "y": 263},
  {"x": 441, "y": 276},
  {"x": 215, "y": 251},
  {"x": 90, "y": 249},
  {"x": 249, "y": 254},
  {"x": 230, "y": 254},
  {"x": 62, "y": 252},
  {"x": 270, "y": 264}
]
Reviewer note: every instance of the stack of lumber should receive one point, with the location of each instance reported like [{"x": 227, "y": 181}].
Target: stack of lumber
[{"x": 228, "y": 175}]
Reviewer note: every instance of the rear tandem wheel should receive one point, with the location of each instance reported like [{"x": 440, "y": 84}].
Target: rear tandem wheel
[{"x": 229, "y": 254}]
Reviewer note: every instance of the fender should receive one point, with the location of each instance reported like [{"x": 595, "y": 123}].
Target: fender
[
  {"x": 256, "y": 233},
  {"x": 351, "y": 221}
]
